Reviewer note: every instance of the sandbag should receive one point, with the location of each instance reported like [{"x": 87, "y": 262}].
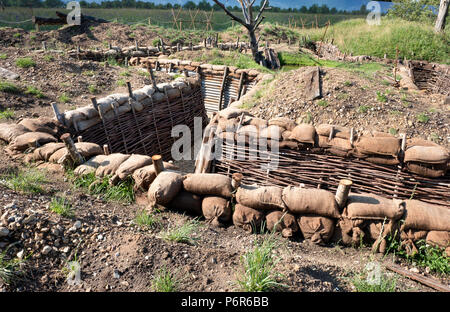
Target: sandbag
[
  {"x": 227, "y": 124},
  {"x": 336, "y": 143},
  {"x": 282, "y": 122},
  {"x": 165, "y": 187},
  {"x": 216, "y": 210},
  {"x": 419, "y": 142},
  {"x": 247, "y": 134},
  {"x": 86, "y": 149},
  {"x": 409, "y": 238},
  {"x": 312, "y": 201},
  {"x": 426, "y": 217},
  {"x": 110, "y": 164},
  {"x": 338, "y": 131},
  {"x": 257, "y": 122},
  {"x": 208, "y": 184},
  {"x": 316, "y": 228},
  {"x": 89, "y": 166},
  {"x": 248, "y": 218},
  {"x": 369, "y": 206},
  {"x": 144, "y": 176},
  {"x": 304, "y": 133},
  {"x": 9, "y": 132},
  {"x": 427, "y": 154},
  {"x": 283, "y": 222},
  {"x": 135, "y": 161},
  {"x": 31, "y": 139},
  {"x": 41, "y": 124},
  {"x": 272, "y": 132},
  {"x": 262, "y": 197},
  {"x": 438, "y": 238},
  {"x": 430, "y": 171},
  {"x": 383, "y": 160},
  {"x": 232, "y": 112},
  {"x": 44, "y": 152},
  {"x": 379, "y": 145},
  {"x": 289, "y": 144},
  {"x": 187, "y": 202}
]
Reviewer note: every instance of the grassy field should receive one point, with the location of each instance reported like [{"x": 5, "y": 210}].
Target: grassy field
[{"x": 219, "y": 20}]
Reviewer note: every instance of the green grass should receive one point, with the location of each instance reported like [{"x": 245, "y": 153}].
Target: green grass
[
  {"x": 17, "y": 35},
  {"x": 165, "y": 281},
  {"x": 423, "y": 117},
  {"x": 62, "y": 206},
  {"x": 125, "y": 74},
  {"x": 9, "y": 87},
  {"x": 11, "y": 270},
  {"x": 48, "y": 58},
  {"x": 35, "y": 92},
  {"x": 363, "y": 109},
  {"x": 88, "y": 73},
  {"x": 385, "y": 284},
  {"x": 182, "y": 234},
  {"x": 92, "y": 89},
  {"x": 147, "y": 220},
  {"x": 258, "y": 268},
  {"x": 322, "y": 103},
  {"x": 381, "y": 97},
  {"x": 393, "y": 131},
  {"x": 121, "y": 82},
  {"x": 27, "y": 181},
  {"x": 25, "y": 62},
  {"x": 3, "y": 56},
  {"x": 112, "y": 61},
  {"x": 64, "y": 98},
  {"x": 6, "y": 114}
]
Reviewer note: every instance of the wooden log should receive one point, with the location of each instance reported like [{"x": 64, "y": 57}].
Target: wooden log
[
  {"x": 72, "y": 150},
  {"x": 158, "y": 163},
  {"x": 418, "y": 278},
  {"x": 222, "y": 88},
  {"x": 105, "y": 149},
  {"x": 58, "y": 115},
  {"x": 342, "y": 192}
]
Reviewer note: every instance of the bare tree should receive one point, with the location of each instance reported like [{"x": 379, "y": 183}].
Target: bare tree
[
  {"x": 250, "y": 22},
  {"x": 443, "y": 12}
]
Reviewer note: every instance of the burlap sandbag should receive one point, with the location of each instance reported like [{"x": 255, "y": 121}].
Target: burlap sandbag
[
  {"x": 282, "y": 122},
  {"x": 257, "y": 122},
  {"x": 438, "y": 238},
  {"x": 144, "y": 176},
  {"x": 45, "y": 152},
  {"x": 232, "y": 112},
  {"x": 419, "y": 142},
  {"x": 41, "y": 124},
  {"x": 31, "y": 139},
  {"x": 247, "y": 134},
  {"x": 110, "y": 164},
  {"x": 165, "y": 187},
  {"x": 378, "y": 145},
  {"x": 272, "y": 132},
  {"x": 133, "y": 163},
  {"x": 336, "y": 143},
  {"x": 86, "y": 149},
  {"x": 208, "y": 184},
  {"x": 89, "y": 166},
  {"x": 409, "y": 238},
  {"x": 283, "y": 222},
  {"x": 383, "y": 160},
  {"x": 316, "y": 228},
  {"x": 426, "y": 217},
  {"x": 430, "y": 171},
  {"x": 187, "y": 202},
  {"x": 427, "y": 154},
  {"x": 338, "y": 131},
  {"x": 379, "y": 232},
  {"x": 313, "y": 201},
  {"x": 8, "y": 132},
  {"x": 369, "y": 206},
  {"x": 289, "y": 145},
  {"x": 216, "y": 210},
  {"x": 227, "y": 124},
  {"x": 304, "y": 133},
  {"x": 262, "y": 197},
  {"x": 248, "y": 218},
  {"x": 343, "y": 231}
]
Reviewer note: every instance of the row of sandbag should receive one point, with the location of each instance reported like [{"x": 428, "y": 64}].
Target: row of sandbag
[
  {"x": 313, "y": 212},
  {"x": 87, "y": 116},
  {"x": 422, "y": 157}
]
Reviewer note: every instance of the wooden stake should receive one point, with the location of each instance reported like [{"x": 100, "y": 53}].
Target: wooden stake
[
  {"x": 105, "y": 149},
  {"x": 73, "y": 153},
  {"x": 58, "y": 115},
  {"x": 158, "y": 164},
  {"x": 150, "y": 70},
  {"x": 80, "y": 139},
  {"x": 342, "y": 192}
]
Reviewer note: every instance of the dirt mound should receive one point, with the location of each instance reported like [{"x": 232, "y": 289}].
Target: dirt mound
[{"x": 362, "y": 100}]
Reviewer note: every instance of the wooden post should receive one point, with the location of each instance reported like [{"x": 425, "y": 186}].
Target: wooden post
[
  {"x": 342, "y": 192},
  {"x": 80, "y": 139},
  {"x": 222, "y": 88},
  {"x": 158, "y": 164},
  {"x": 136, "y": 44},
  {"x": 73, "y": 153},
  {"x": 105, "y": 149},
  {"x": 44, "y": 45},
  {"x": 58, "y": 115},
  {"x": 150, "y": 70}
]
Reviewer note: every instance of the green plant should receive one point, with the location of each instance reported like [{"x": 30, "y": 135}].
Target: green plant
[
  {"x": 6, "y": 114},
  {"x": 182, "y": 234},
  {"x": 17, "y": 35},
  {"x": 435, "y": 137},
  {"x": 348, "y": 83},
  {"x": 64, "y": 98},
  {"x": 258, "y": 268},
  {"x": 423, "y": 117},
  {"x": 34, "y": 91},
  {"x": 88, "y": 73},
  {"x": 146, "y": 220},
  {"x": 25, "y": 62},
  {"x": 322, "y": 103},
  {"x": 62, "y": 206},
  {"x": 393, "y": 131},
  {"x": 121, "y": 82},
  {"x": 92, "y": 89},
  {"x": 165, "y": 281},
  {"x": 384, "y": 284},
  {"x": 363, "y": 109},
  {"x": 3, "y": 56},
  {"x": 125, "y": 74},
  {"x": 112, "y": 61},
  {"x": 9, "y": 87},
  {"x": 381, "y": 97},
  {"x": 10, "y": 269},
  {"x": 27, "y": 181}
]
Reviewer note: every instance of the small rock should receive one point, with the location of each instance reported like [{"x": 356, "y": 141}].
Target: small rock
[
  {"x": 77, "y": 225},
  {"x": 4, "y": 232},
  {"x": 427, "y": 270},
  {"x": 116, "y": 274},
  {"x": 100, "y": 237},
  {"x": 11, "y": 205},
  {"x": 20, "y": 254},
  {"x": 66, "y": 249},
  {"x": 414, "y": 270},
  {"x": 46, "y": 250}
]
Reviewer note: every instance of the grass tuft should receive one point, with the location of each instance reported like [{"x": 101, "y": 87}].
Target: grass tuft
[
  {"x": 25, "y": 62},
  {"x": 10, "y": 269},
  {"x": 182, "y": 234},
  {"x": 165, "y": 281},
  {"x": 34, "y": 91},
  {"x": 147, "y": 220},
  {"x": 62, "y": 207},
  {"x": 9, "y": 87},
  {"x": 6, "y": 114},
  {"x": 28, "y": 181}
]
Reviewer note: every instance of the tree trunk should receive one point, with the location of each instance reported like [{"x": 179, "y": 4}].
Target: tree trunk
[
  {"x": 443, "y": 12},
  {"x": 254, "y": 46}
]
